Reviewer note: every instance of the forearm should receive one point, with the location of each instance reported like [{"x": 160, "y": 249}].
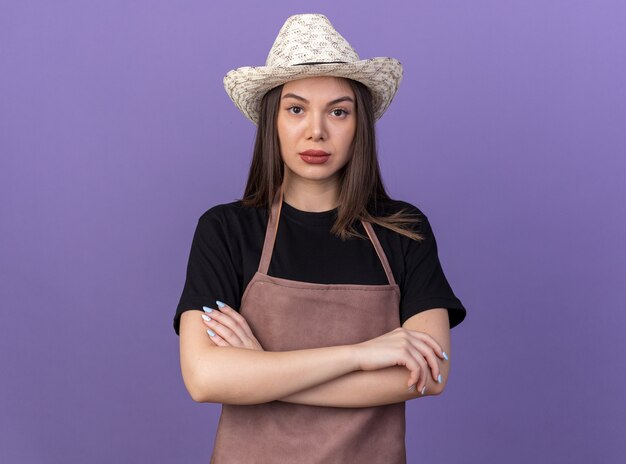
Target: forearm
[
  {"x": 234, "y": 375},
  {"x": 360, "y": 389}
]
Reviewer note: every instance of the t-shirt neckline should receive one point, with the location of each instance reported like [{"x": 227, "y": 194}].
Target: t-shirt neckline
[{"x": 326, "y": 218}]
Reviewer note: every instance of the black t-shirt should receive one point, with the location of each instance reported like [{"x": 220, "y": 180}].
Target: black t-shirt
[{"x": 228, "y": 240}]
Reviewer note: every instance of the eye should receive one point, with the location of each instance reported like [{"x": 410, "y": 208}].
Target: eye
[
  {"x": 295, "y": 109},
  {"x": 339, "y": 112}
]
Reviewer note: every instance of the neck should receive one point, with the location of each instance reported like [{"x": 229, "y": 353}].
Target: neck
[{"x": 312, "y": 196}]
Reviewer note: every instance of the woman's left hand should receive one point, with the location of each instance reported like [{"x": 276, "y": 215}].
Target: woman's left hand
[{"x": 230, "y": 328}]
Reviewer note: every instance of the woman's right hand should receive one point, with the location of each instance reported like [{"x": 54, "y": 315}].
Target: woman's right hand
[{"x": 415, "y": 350}]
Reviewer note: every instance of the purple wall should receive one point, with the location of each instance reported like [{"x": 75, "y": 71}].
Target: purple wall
[{"x": 509, "y": 131}]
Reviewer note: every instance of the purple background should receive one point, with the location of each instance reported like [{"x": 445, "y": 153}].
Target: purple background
[{"x": 509, "y": 131}]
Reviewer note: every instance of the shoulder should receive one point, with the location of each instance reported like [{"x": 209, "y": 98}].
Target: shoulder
[
  {"x": 233, "y": 221},
  {"x": 391, "y": 206},
  {"x": 387, "y": 206},
  {"x": 230, "y": 213}
]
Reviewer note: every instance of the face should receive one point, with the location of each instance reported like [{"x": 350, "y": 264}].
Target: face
[{"x": 316, "y": 114}]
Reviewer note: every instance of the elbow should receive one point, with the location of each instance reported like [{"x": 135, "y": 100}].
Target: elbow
[
  {"x": 199, "y": 390},
  {"x": 433, "y": 388},
  {"x": 197, "y": 395},
  {"x": 196, "y": 387},
  {"x": 437, "y": 389}
]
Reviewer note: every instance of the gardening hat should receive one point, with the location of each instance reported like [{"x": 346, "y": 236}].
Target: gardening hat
[{"x": 307, "y": 46}]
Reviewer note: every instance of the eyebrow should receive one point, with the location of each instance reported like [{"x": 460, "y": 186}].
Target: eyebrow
[{"x": 335, "y": 101}]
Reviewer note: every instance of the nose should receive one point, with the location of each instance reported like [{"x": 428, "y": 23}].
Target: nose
[{"x": 317, "y": 127}]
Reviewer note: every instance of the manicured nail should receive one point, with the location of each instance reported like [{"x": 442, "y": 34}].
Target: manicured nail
[
  {"x": 206, "y": 318},
  {"x": 445, "y": 356},
  {"x": 207, "y": 309},
  {"x": 211, "y": 333},
  {"x": 219, "y": 303},
  {"x": 439, "y": 378},
  {"x": 423, "y": 389},
  {"x": 412, "y": 387}
]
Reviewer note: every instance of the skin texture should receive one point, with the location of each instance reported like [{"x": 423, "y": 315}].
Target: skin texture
[
  {"x": 232, "y": 367},
  {"x": 376, "y": 387},
  {"x": 327, "y": 376},
  {"x": 315, "y": 124}
]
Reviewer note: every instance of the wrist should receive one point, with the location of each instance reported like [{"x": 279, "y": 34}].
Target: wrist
[{"x": 352, "y": 355}]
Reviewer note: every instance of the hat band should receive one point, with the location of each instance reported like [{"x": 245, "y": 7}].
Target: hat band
[{"x": 319, "y": 62}]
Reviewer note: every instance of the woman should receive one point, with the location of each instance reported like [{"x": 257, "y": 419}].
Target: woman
[{"x": 316, "y": 348}]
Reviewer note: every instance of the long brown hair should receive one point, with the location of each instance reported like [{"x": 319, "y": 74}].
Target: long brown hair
[{"x": 360, "y": 182}]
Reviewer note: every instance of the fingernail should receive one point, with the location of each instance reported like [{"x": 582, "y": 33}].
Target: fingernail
[
  {"x": 412, "y": 387},
  {"x": 423, "y": 389},
  {"x": 207, "y": 309},
  {"x": 219, "y": 303},
  {"x": 211, "y": 333},
  {"x": 205, "y": 317},
  {"x": 445, "y": 356},
  {"x": 439, "y": 378}
]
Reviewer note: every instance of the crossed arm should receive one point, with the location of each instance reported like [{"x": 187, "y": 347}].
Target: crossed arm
[
  {"x": 327, "y": 376},
  {"x": 382, "y": 386}
]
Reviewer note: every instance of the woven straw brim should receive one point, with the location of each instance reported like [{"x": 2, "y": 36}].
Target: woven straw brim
[{"x": 246, "y": 86}]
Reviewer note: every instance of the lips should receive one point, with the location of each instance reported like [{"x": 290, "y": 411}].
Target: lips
[
  {"x": 314, "y": 156},
  {"x": 314, "y": 153}
]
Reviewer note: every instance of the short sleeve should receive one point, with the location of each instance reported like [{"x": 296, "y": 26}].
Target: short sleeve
[
  {"x": 425, "y": 285},
  {"x": 211, "y": 273}
]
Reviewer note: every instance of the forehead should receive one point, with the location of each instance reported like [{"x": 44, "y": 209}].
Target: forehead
[{"x": 319, "y": 85}]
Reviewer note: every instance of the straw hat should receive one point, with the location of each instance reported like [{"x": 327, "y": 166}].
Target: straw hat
[{"x": 308, "y": 45}]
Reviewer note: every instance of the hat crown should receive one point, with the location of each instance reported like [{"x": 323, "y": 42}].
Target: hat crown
[{"x": 309, "y": 38}]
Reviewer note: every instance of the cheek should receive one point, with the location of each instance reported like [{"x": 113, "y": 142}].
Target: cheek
[
  {"x": 285, "y": 132},
  {"x": 347, "y": 137},
  {"x": 280, "y": 127}
]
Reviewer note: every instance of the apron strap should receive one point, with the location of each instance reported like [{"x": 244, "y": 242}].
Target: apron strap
[
  {"x": 270, "y": 232},
  {"x": 272, "y": 229},
  {"x": 379, "y": 251}
]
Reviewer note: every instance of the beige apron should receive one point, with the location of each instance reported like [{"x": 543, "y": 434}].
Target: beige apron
[{"x": 291, "y": 315}]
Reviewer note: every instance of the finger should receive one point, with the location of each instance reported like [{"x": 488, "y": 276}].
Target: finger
[
  {"x": 230, "y": 327},
  {"x": 215, "y": 338},
  {"x": 417, "y": 372},
  {"x": 418, "y": 341},
  {"x": 237, "y": 317},
  {"x": 430, "y": 356},
  {"x": 423, "y": 371},
  {"x": 226, "y": 333},
  {"x": 416, "y": 364},
  {"x": 414, "y": 370},
  {"x": 231, "y": 318},
  {"x": 427, "y": 338}
]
